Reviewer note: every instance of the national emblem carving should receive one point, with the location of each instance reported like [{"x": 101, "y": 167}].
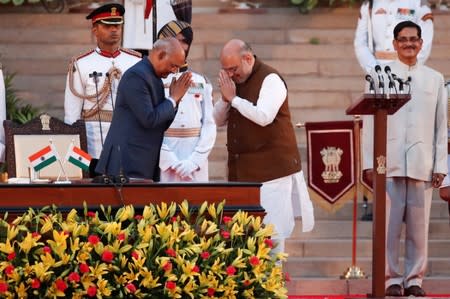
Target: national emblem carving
[{"x": 331, "y": 158}]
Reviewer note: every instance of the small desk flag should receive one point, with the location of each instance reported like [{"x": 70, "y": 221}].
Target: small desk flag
[
  {"x": 43, "y": 158},
  {"x": 78, "y": 157}
]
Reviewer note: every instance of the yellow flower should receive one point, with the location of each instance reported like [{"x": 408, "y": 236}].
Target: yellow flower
[
  {"x": 48, "y": 260},
  {"x": 102, "y": 287},
  {"x": 125, "y": 213},
  {"x": 148, "y": 281},
  {"x": 41, "y": 271},
  {"x": 21, "y": 291},
  {"x": 237, "y": 230},
  {"x": 12, "y": 232},
  {"x": 47, "y": 225},
  {"x": 184, "y": 209},
  {"x": 27, "y": 243},
  {"x": 6, "y": 247}
]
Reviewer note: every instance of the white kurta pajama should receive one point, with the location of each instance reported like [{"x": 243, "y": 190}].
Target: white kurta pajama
[
  {"x": 85, "y": 85},
  {"x": 283, "y": 198},
  {"x": 2, "y": 116},
  {"x": 192, "y": 134},
  {"x": 138, "y": 31},
  {"x": 416, "y": 148},
  {"x": 386, "y": 14}
]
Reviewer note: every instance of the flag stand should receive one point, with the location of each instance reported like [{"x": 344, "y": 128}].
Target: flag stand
[{"x": 355, "y": 272}]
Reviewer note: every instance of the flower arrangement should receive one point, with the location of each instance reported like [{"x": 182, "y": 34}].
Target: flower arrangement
[{"x": 164, "y": 252}]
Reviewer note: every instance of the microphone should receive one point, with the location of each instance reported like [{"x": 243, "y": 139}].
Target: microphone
[
  {"x": 387, "y": 70},
  {"x": 95, "y": 75},
  {"x": 400, "y": 83},
  {"x": 380, "y": 78},
  {"x": 408, "y": 82},
  {"x": 371, "y": 83}
]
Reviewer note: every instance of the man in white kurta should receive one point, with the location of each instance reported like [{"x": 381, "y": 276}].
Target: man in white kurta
[
  {"x": 416, "y": 162},
  {"x": 2, "y": 116},
  {"x": 138, "y": 27},
  {"x": 91, "y": 97},
  {"x": 373, "y": 36},
  {"x": 284, "y": 197},
  {"x": 191, "y": 136}
]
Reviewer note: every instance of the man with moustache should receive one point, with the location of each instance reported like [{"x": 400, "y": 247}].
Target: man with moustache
[
  {"x": 416, "y": 161},
  {"x": 143, "y": 113},
  {"x": 93, "y": 77}
]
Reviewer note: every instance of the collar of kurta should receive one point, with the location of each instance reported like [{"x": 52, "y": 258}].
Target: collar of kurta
[
  {"x": 107, "y": 53},
  {"x": 406, "y": 67}
]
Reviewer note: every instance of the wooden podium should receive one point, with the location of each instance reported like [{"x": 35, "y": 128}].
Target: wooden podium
[{"x": 380, "y": 106}]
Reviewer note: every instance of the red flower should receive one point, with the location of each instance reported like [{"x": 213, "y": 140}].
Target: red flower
[
  {"x": 35, "y": 235},
  {"x": 93, "y": 239},
  {"x": 231, "y": 270},
  {"x": 167, "y": 266},
  {"x": 269, "y": 243},
  {"x": 135, "y": 254},
  {"x": 171, "y": 285},
  {"x": 11, "y": 256},
  {"x": 225, "y": 234},
  {"x": 60, "y": 285},
  {"x": 121, "y": 236},
  {"x": 92, "y": 291},
  {"x": 107, "y": 256},
  {"x": 74, "y": 277},
  {"x": 196, "y": 269},
  {"x": 287, "y": 277},
  {"x": 226, "y": 219},
  {"x": 91, "y": 214},
  {"x": 138, "y": 217},
  {"x": 171, "y": 252},
  {"x": 205, "y": 255},
  {"x": 211, "y": 292},
  {"x": 35, "y": 283},
  {"x": 3, "y": 287},
  {"x": 131, "y": 288},
  {"x": 9, "y": 269},
  {"x": 84, "y": 268},
  {"x": 254, "y": 260},
  {"x": 47, "y": 249},
  {"x": 246, "y": 282},
  {"x": 173, "y": 219}
]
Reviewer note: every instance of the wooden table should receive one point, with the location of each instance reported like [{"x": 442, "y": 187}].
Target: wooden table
[{"x": 16, "y": 198}]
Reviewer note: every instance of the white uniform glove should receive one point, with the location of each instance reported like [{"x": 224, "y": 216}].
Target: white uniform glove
[{"x": 185, "y": 168}]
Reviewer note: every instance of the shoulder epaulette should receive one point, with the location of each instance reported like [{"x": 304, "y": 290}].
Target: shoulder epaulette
[
  {"x": 428, "y": 16},
  {"x": 83, "y": 55},
  {"x": 131, "y": 52}
]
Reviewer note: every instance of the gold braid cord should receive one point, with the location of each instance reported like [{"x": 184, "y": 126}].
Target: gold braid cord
[{"x": 103, "y": 92}]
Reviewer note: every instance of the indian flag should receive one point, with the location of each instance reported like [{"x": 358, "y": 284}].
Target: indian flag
[
  {"x": 42, "y": 158},
  {"x": 78, "y": 157}
]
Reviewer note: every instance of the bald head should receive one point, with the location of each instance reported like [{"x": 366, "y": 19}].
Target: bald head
[
  {"x": 237, "y": 60},
  {"x": 167, "y": 56}
]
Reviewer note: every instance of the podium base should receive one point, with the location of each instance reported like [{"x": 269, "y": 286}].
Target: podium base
[
  {"x": 62, "y": 182},
  {"x": 353, "y": 272}
]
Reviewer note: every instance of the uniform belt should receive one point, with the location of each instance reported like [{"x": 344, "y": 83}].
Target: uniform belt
[
  {"x": 182, "y": 132},
  {"x": 386, "y": 55},
  {"x": 105, "y": 116}
]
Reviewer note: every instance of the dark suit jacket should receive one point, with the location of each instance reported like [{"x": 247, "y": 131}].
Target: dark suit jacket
[{"x": 141, "y": 115}]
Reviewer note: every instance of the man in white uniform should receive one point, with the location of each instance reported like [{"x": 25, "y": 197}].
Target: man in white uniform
[
  {"x": 377, "y": 19},
  {"x": 191, "y": 136},
  {"x": 138, "y": 27},
  {"x": 2, "y": 116},
  {"x": 416, "y": 162},
  {"x": 261, "y": 140},
  {"x": 93, "y": 78}
]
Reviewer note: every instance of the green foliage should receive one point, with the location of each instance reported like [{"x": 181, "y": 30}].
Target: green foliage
[
  {"x": 15, "y": 109},
  {"x": 305, "y": 6}
]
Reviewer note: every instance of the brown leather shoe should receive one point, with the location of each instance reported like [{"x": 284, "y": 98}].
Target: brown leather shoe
[
  {"x": 394, "y": 290},
  {"x": 415, "y": 291}
]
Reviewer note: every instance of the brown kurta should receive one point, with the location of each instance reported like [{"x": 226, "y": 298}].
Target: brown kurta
[{"x": 256, "y": 153}]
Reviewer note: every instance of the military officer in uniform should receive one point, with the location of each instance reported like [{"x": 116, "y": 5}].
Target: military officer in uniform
[
  {"x": 191, "y": 136},
  {"x": 93, "y": 78},
  {"x": 377, "y": 19}
]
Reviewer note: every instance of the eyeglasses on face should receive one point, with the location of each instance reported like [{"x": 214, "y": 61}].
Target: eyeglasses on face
[{"x": 405, "y": 39}]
